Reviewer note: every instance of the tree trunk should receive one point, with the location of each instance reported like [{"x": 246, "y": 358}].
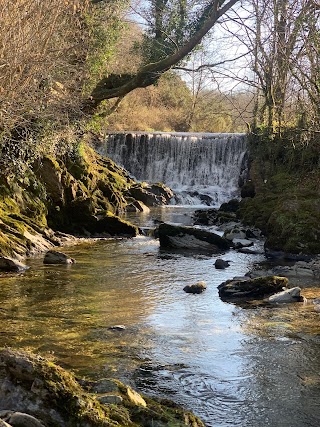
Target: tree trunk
[{"x": 113, "y": 86}]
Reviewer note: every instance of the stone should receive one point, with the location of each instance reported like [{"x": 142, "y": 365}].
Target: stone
[
  {"x": 9, "y": 264},
  {"x": 250, "y": 251},
  {"x": 179, "y": 237},
  {"x": 105, "y": 385},
  {"x": 115, "y": 226},
  {"x": 135, "y": 397},
  {"x": 196, "y": 288},
  {"x": 230, "y": 206},
  {"x": 137, "y": 206},
  {"x": 110, "y": 399},
  {"x": 242, "y": 243},
  {"x": 162, "y": 191},
  {"x": 286, "y": 296},
  {"x": 253, "y": 233},
  {"x": 205, "y": 216},
  {"x": 151, "y": 195},
  {"x": 234, "y": 233},
  {"x": 221, "y": 264},
  {"x": 55, "y": 257},
  {"x": 244, "y": 289},
  {"x": 213, "y": 216},
  {"x": 117, "y": 328},
  {"x": 19, "y": 419},
  {"x": 317, "y": 308}
]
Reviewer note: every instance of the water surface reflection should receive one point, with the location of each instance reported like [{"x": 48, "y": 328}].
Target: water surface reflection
[{"x": 231, "y": 366}]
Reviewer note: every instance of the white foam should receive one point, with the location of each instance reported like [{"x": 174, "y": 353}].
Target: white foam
[{"x": 203, "y": 163}]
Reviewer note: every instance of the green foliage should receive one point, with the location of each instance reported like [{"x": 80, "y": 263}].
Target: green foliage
[{"x": 105, "y": 25}]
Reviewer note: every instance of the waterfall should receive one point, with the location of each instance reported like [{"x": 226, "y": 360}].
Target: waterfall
[{"x": 201, "y": 168}]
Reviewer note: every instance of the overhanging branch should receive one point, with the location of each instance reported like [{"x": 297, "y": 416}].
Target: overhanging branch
[{"x": 113, "y": 86}]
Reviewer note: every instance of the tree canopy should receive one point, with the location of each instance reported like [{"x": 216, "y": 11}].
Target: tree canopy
[{"x": 177, "y": 28}]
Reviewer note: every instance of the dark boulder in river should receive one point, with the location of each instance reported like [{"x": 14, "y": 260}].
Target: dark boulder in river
[
  {"x": 244, "y": 288},
  {"x": 179, "y": 237},
  {"x": 55, "y": 257},
  {"x": 221, "y": 264}
]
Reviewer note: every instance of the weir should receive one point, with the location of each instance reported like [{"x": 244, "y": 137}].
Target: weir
[{"x": 201, "y": 168}]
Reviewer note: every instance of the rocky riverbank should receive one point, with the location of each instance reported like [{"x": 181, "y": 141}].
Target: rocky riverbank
[
  {"x": 35, "y": 392},
  {"x": 79, "y": 193}
]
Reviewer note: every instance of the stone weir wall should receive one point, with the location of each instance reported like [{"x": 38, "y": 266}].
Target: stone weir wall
[{"x": 193, "y": 165}]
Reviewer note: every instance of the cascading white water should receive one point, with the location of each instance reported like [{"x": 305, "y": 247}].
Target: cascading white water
[{"x": 200, "y": 167}]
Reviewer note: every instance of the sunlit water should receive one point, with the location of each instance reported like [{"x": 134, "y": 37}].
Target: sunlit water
[{"x": 231, "y": 366}]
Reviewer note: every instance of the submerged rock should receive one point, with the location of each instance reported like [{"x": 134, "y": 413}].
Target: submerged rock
[
  {"x": 179, "y": 237},
  {"x": 196, "y": 288},
  {"x": 117, "y": 328},
  {"x": 55, "y": 257},
  {"x": 287, "y": 296},
  {"x": 45, "y": 394},
  {"x": 244, "y": 289}
]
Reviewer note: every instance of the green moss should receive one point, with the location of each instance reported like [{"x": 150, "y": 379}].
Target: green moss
[
  {"x": 286, "y": 206},
  {"x": 62, "y": 393}
]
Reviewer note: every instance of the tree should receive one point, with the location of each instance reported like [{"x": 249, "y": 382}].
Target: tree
[
  {"x": 200, "y": 23},
  {"x": 285, "y": 58}
]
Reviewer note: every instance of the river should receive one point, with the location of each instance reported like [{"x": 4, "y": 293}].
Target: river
[{"x": 231, "y": 366}]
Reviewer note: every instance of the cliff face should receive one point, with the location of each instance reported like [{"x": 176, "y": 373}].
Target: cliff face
[
  {"x": 286, "y": 204},
  {"x": 79, "y": 195}
]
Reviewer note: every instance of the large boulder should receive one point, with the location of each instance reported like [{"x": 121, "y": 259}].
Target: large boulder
[
  {"x": 115, "y": 226},
  {"x": 244, "y": 289},
  {"x": 179, "y": 237},
  {"x": 151, "y": 195},
  {"x": 38, "y": 392}
]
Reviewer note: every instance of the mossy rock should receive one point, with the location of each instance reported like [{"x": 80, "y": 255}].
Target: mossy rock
[
  {"x": 39, "y": 387},
  {"x": 245, "y": 289},
  {"x": 286, "y": 207}
]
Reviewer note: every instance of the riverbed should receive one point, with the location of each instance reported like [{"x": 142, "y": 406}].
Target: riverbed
[{"x": 231, "y": 366}]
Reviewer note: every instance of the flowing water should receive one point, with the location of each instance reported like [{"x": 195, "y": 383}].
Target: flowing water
[
  {"x": 231, "y": 366},
  {"x": 198, "y": 167}
]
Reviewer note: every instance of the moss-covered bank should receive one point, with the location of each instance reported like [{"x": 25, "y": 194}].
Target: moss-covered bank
[
  {"x": 33, "y": 385},
  {"x": 286, "y": 205},
  {"x": 79, "y": 193}
]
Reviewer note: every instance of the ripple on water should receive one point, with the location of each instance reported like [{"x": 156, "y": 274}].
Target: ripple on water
[{"x": 231, "y": 366}]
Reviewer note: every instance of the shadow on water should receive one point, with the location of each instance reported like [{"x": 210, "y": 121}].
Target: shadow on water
[{"x": 232, "y": 367}]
